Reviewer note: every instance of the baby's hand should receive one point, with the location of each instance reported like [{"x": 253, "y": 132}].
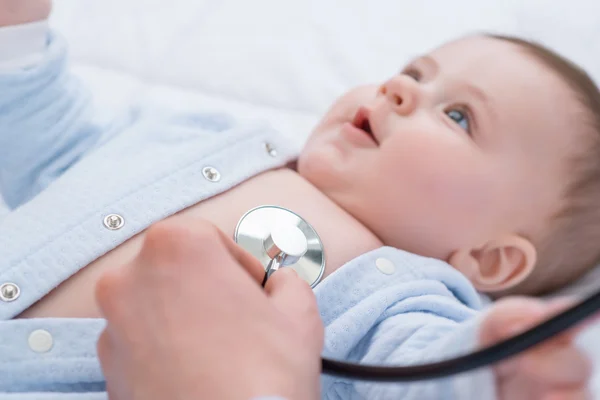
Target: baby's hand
[
  {"x": 16, "y": 12},
  {"x": 551, "y": 371}
]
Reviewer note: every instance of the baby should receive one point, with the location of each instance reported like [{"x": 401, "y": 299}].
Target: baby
[{"x": 478, "y": 161}]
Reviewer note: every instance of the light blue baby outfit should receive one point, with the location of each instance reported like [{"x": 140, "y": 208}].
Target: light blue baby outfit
[{"x": 62, "y": 172}]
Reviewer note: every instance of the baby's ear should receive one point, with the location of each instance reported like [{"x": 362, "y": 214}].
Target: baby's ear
[{"x": 499, "y": 265}]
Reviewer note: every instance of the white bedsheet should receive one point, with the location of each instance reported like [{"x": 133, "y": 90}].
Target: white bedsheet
[{"x": 287, "y": 60}]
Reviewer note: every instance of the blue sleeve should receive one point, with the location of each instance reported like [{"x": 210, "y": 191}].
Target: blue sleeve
[
  {"x": 420, "y": 311},
  {"x": 45, "y": 124},
  {"x": 418, "y": 337}
]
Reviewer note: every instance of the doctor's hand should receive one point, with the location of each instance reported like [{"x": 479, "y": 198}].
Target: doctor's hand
[
  {"x": 555, "y": 370},
  {"x": 187, "y": 318}
]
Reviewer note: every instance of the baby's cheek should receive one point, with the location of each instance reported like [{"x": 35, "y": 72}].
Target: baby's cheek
[
  {"x": 456, "y": 187},
  {"x": 468, "y": 197}
]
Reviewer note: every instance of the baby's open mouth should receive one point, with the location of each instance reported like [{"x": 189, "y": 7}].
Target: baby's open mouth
[{"x": 361, "y": 121}]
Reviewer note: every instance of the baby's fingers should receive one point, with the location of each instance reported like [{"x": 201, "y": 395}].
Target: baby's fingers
[
  {"x": 556, "y": 365},
  {"x": 568, "y": 394},
  {"x": 512, "y": 316}
]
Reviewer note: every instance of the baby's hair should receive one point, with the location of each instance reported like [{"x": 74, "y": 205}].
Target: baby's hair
[{"x": 571, "y": 246}]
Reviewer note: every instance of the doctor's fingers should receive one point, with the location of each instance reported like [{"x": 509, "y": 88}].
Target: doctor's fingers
[
  {"x": 108, "y": 355},
  {"x": 294, "y": 298},
  {"x": 199, "y": 244},
  {"x": 175, "y": 254},
  {"x": 246, "y": 260},
  {"x": 180, "y": 243}
]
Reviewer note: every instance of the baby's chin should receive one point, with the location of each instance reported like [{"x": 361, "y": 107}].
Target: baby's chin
[
  {"x": 303, "y": 166},
  {"x": 315, "y": 163}
]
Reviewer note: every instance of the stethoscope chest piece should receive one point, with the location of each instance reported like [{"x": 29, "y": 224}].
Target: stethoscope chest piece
[{"x": 267, "y": 232}]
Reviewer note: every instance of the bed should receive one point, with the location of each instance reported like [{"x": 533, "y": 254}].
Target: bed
[{"x": 285, "y": 61}]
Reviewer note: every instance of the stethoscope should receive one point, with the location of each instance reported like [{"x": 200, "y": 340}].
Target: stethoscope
[{"x": 279, "y": 237}]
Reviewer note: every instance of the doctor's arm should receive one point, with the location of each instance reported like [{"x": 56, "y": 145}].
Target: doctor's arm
[{"x": 45, "y": 112}]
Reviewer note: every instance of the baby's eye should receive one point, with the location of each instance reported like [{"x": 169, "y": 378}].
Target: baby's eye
[
  {"x": 413, "y": 73},
  {"x": 460, "y": 117}
]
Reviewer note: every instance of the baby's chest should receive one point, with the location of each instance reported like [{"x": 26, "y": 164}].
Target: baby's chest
[{"x": 94, "y": 215}]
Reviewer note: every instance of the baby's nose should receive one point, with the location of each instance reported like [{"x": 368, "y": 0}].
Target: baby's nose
[{"x": 402, "y": 93}]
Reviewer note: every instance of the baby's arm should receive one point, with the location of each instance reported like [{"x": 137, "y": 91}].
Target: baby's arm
[
  {"x": 556, "y": 369},
  {"x": 16, "y": 12},
  {"x": 424, "y": 335},
  {"x": 45, "y": 122}
]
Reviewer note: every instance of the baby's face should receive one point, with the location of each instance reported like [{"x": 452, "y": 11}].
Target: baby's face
[{"x": 466, "y": 144}]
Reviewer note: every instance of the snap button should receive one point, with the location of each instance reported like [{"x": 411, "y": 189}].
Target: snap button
[
  {"x": 9, "y": 292},
  {"x": 40, "y": 341},
  {"x": 385, "y": 266},
  {"x": 211, "y": 174},
  {"x": 270, "y": 149},
  {"x": 114, "y": 222}
]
